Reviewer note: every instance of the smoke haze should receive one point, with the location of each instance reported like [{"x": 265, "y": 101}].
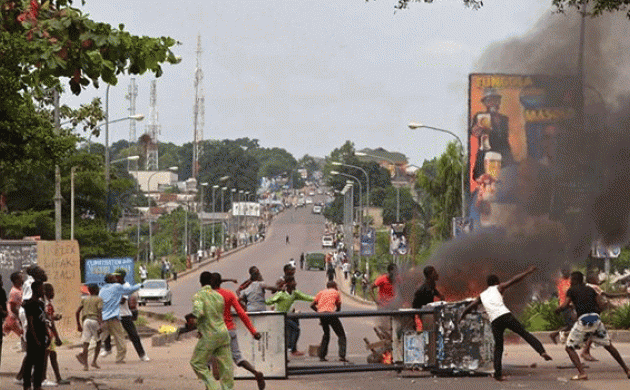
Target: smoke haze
[{"x": 597, "y": 154}]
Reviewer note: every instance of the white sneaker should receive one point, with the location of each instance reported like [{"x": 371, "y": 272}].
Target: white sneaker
[
  {"x": 18, "y": 381},
  {"x": 104, "y": 353},
  {"x": 145, "y": 358},
  {"x": 48, "y": 383}
]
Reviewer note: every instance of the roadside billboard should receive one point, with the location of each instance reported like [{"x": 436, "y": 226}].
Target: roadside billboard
[
  {"x": 517, "y": 128},
  {"x": 96, "y": 269},
  {"x": 248, "y": 209}
]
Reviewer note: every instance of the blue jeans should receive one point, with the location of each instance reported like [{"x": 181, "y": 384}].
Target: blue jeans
[{"x": 293, "y": 333}]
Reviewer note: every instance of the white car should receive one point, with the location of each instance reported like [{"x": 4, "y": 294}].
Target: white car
[
  {"x": 309, "y": 201},
  {"x": 155, "y": 290},
  {"x": 328, "y": 241},
  {"x": 317, "y": 209}
]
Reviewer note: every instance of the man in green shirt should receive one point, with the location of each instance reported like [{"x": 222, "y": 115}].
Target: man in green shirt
[
  {"x": 215, "y": 340},
  {"x": 283, "y": 300}
]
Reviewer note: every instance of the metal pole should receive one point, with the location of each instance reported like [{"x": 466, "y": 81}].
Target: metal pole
[
  {"x": 201, "y": 202},
  {"x": 107, "y": 153},
  {"x": 214, "y": 187},
  {"x": 57, "y": 200},
  {"x": 149, "y": 216},
  {"x": 223, "y": 189},
  {"x": 138, "y": 216},
  {"x": 186, "y": 226},
  {"x": 231, "y": 214},
  {"x": 240, "y": 209},
  {"x": 397, "y": 204},
  {"x": 72, "y": 202}
]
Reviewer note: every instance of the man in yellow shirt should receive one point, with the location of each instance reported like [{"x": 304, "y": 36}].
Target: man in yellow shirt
[{"x": 215, "y": 340}]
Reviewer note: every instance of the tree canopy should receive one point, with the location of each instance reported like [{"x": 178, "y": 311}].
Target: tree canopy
[{"x": 590, "y": 7}]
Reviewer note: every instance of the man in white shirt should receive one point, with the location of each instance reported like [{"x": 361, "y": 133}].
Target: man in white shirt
[{"x": 501, "y": 318}]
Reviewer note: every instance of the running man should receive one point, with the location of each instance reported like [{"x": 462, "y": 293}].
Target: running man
[
  {"x": 501, "y": 318},
  {"x": 231, "y": 301},
  {"x": 588, "y": 326}
]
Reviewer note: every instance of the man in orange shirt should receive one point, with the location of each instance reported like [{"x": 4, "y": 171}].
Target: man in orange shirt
[
  {"x": 329, "y": 301},
  {"x": 231, "y": 301}
]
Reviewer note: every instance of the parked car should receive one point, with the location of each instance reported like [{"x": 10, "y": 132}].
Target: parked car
[
  {"x": 155, "y": 290},
  {"x": 317, "y": 209},
  {"x": 309, "y": 201},
  {"x": 315, "y": 260},
  {"x": 328, "y": 241}
]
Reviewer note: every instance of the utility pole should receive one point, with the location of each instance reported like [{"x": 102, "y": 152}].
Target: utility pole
[
  {"x": 132, "y": 94},
  {"x": 57, "y": 199},
  {"x": 198, "y": 111},
  {"x": 153, "y": 129}
]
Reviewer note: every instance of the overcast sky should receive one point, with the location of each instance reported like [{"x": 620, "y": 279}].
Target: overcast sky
[{"x": 307, "y": 76}]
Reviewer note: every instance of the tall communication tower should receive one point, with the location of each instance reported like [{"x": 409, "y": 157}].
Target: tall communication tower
[
  {"x": 153, "y": 129},
  {"x": 198, "y": 111},
  {"x": 132, "y": 93}
]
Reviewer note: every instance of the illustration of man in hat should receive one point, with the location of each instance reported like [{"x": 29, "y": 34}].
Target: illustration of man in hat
[{"x": 492, "y": 131}]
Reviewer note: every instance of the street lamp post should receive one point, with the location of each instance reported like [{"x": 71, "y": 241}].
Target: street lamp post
[
  {"x": 223, "y": 189},
  {"x": 415, "y": 125},
  {"x": 214, "y": 187},
  {"x": 360, "y": 191},
  {"x": 367, "y": 178},
  {"x": 246, "y": 218},
  {"x": 137, "y": 117},
  {"x": 232, "y": 192},
  {"x": 360, "y": 206},
  {"x": 240, "y": 209},
  {"x": 149, "y": 213},
  {"x": 361, "y": 154},
  {"x": 202, "y": 202}
]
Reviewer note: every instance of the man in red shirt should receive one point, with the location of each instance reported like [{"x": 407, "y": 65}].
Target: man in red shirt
[
  {"x": 231, "y": 301},
  {"x": 329, "y": 301},
  {"x": 385, "y": 284}
]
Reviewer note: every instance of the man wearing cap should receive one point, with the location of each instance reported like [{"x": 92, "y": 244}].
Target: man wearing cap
[
  {"x": 492, "y": 132},
  {"x": 111, "y": 294}
]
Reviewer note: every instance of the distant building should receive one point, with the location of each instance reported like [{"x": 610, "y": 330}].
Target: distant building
[{"x": 159, "y": 179}]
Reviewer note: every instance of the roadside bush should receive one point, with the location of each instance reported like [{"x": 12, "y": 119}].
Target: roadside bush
[
  {"x": 540, "y": 316},
  {"x": 618, "y": 318}
]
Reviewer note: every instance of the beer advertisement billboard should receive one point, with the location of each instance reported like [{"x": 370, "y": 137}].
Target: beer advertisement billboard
[{"x": 517, "y": 125}]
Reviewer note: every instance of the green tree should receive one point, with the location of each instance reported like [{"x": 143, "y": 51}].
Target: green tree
[
  {"x": 406, "y": 206},
  {"x": 334, "y": 211},
  {"x": 595, "y": 7},
  {"x": 62, "y": 41},
  {"x": 310, "y": 164},
  {"x": 439, "y": 182},
  {"x": 228, "y": 158},
  {"x": 274, "y": 161}
]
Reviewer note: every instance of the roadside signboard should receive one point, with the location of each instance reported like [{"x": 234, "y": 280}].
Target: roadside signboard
[
  {"x": 368, "y": 238},
  {"x": 520, "y": 132},
  {"x": 269, "y": 354},
  {"x": 96, "y": 269}
]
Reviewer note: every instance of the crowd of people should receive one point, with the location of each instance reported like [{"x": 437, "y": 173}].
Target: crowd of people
[
  {"x": 212, "y": 318},
  {"x": 30, "y": 313},
  {"x": 107, "y": 315}
]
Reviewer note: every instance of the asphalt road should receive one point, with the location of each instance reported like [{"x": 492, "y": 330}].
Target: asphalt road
[{"x": 305, "y": 231}]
